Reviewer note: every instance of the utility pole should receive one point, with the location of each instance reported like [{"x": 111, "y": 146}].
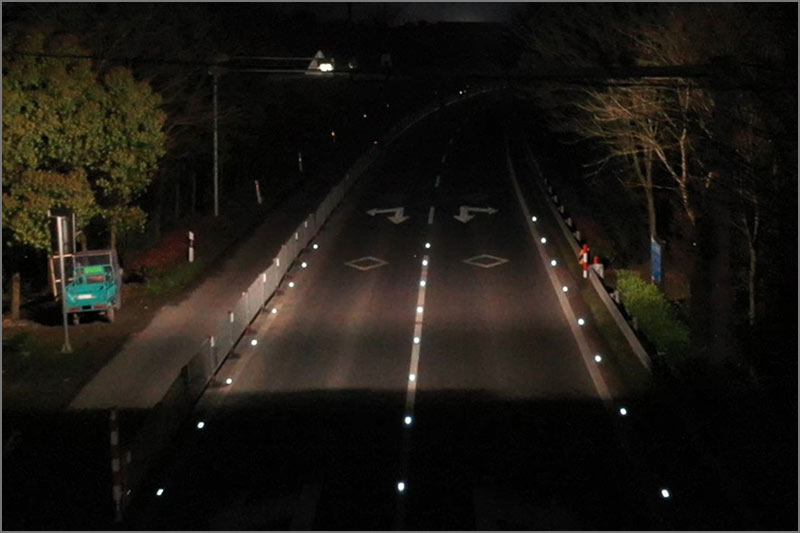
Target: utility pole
[{"x": 216, "y": 149}]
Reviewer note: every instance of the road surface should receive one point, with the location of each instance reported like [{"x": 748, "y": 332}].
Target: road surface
[
  {"x": 420, "y": 373},
  {"x": 506, "y": 425}
]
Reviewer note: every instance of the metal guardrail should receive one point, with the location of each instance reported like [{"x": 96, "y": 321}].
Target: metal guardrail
[
  {"x": 164, "y": 420},
  {"x": 573, "y": 238}
]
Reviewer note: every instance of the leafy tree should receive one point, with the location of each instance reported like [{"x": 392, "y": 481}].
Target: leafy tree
[{"x": 73, "y": 137}]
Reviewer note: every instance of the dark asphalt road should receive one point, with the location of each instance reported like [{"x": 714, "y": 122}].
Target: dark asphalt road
[{"x": 508, "y": 429}]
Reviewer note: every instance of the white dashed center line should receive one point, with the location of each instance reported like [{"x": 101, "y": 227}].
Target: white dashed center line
[
  {"x": 438, "y": 178},
  {"x": 430, "y": 215}
]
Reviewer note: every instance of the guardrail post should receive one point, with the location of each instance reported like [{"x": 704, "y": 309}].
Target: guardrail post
[{"x": 116, "y": 466}]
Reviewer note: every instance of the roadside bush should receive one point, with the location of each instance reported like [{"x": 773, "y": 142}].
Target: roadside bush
[{"x": 655, "y": 317}]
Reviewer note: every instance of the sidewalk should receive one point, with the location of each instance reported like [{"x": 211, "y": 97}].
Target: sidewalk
[{"x": 141, "y": 373}]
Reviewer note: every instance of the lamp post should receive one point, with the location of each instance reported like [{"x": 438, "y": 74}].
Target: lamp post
[
  {"x": 319, "y": 64},
  {"x": 216, "y": 148},
  {"x": 215, "y": 71}
]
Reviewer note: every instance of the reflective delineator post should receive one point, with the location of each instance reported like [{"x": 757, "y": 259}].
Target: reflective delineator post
[
  {"x": 191, "y": 247},
  {"x": 583, "y": 260},
  {"x": 598, "y": 267}
]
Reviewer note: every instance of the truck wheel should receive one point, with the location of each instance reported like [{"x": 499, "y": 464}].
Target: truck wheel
[
  {"x": 76, "y": 319},
  {"x": 110, "y": 314}
]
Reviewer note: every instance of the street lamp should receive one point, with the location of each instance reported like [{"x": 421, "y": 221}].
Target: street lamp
[{"x": 216, "y": 71}]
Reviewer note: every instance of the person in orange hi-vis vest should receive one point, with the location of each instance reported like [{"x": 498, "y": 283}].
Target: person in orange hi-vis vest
[{"x": 583, "y": 259}]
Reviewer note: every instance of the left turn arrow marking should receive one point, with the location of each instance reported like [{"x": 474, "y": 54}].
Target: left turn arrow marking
[{"x": 397, "y": 216}]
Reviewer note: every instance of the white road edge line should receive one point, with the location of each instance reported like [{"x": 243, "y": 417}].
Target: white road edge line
[
  {"x": 415, "y": 347},
  {"x": 594, "y": 373}
]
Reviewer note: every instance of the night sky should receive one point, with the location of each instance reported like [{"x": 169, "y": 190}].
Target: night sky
[{"x": 415, "y": 11}]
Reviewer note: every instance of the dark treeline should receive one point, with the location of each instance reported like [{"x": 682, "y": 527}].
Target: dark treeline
[
  {"x": 712, "y": 161},
  {"x": 264, "y": 120}
]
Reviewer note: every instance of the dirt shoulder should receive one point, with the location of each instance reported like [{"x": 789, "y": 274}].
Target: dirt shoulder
[{"x": 37, "y": 375}]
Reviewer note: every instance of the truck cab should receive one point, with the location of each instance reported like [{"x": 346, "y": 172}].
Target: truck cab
[{"x": 95, "y": 285}]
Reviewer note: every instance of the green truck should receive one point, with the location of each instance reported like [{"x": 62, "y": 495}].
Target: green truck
[{"x": 94, "y": 285}]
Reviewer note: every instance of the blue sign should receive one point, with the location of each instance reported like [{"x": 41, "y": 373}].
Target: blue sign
[{"x": 655, "y": 261}]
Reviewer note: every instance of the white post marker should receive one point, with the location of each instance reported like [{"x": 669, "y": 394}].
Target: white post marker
[
  {"x": 191, "y": 247},
  {"x": 258, "y": 193}
]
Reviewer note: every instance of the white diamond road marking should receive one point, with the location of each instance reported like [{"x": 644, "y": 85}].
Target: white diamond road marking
[
  {"x": 485, "y": 261},
  {"x": 368, "y": 263}
]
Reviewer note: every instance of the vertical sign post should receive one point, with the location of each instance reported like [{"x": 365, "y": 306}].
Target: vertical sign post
[
  {"x": 60, "y": 220},
  {"x": 655, "y": 261}
]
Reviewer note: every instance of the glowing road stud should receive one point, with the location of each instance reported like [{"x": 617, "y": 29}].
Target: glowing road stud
[
  {"x": 228, "y": 381},
  {"x": 416, "y": 340},
  {"x": 597, "y": 358},
  {"x": 304, "y": 264},
  {"x": 412, "y": 377},
  {"x": 407, "y": 420},
  {"x": 623, "y": 411},
  {"x": 315, "y": 246},
  {"x": 424, "y": 262},
  {"x": 665, "y": 494},
  {"x": 419, "y": 309},
  {"x": 533, "y": 219},
  {"x": 401, "y": 487},
  {"x": 201, "y": 425},
  {"x": 291, "y": 284},
  {"x": 427, "y": 245},
  {"x": 274, "y": 310},
  {"x": 159, "y": 492},
  {"x": 564, "y": 288},
  {"x": 253, "y": 342},
  {"x": 581, "y": 322},
  {"x": 422, "y": 283},
  {"x": 543, "y": 240},
  {"x": 553, "y": 262}
]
